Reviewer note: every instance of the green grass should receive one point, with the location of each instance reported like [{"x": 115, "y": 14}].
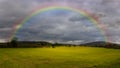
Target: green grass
[{"x": 59, "y": 57}]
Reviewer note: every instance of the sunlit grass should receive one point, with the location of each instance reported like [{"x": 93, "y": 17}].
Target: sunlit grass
[{"x": 59, "y": 57}]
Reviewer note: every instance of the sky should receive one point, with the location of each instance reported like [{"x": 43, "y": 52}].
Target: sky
[{"x": 60, "y": 25}]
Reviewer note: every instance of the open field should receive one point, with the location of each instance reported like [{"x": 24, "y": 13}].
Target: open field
[{"x": 59, "y": 57}]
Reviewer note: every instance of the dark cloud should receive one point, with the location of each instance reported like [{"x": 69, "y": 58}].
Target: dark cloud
[
  {"x": 78, "y": 18},
  {"x": 61, "y": 26}
]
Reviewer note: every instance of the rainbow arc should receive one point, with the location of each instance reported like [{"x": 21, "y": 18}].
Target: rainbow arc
[{"x": 41, "y": 10}]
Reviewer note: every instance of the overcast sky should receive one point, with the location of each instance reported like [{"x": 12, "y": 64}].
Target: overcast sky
[{"x": 60, "y": 25}]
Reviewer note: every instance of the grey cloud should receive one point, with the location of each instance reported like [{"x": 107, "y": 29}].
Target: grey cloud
[
  {"x": 58, "y": 28},
  {"x": 62, "y": 27},
  {"x": 78, "y": 18}
]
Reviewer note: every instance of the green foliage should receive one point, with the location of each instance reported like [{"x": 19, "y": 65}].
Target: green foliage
[
  {"x": 13, "y": 42},
  {"x": 59, "y": 57}
]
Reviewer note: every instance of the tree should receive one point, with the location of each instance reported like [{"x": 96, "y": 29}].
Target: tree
[{"x": 14, "y": 42}]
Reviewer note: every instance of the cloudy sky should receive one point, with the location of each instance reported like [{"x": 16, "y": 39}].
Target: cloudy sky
[{"x": 60, "y": 25}]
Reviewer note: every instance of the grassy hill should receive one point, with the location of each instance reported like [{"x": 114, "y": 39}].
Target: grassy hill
[
  {"x": 59, "y": 57},
  {"x": 102, "y": 44}
]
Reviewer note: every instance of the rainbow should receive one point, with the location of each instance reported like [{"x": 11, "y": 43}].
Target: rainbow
[{"x": 41, "y": 10}]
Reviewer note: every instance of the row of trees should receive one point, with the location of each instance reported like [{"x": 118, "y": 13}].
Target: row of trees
[{"x": 14, "y": 43}]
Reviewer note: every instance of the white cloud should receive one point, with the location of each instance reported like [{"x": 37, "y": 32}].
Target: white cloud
[
  {"x": 2, "y": 40},
  {"x": 75, "y": 42}
]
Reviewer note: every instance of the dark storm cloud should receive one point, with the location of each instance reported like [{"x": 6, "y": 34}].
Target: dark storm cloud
[
  {"x": 11, "y": 12},
  {"x": 78, "y": 18},
  {"x": 60, "y": 27}
]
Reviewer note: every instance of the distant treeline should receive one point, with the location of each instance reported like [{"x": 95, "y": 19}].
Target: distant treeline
[
  {"x": 33, "y": 44},
  {"x": 25, "y": 44}
]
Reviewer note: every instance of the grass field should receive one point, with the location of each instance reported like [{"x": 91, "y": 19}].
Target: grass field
[{"x": 59, "y": 57}]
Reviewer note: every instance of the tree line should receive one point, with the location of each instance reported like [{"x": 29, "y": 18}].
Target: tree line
[{"x": 14, "y": 43}]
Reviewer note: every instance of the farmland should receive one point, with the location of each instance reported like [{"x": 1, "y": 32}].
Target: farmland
[{"x": 59, "y": 57}]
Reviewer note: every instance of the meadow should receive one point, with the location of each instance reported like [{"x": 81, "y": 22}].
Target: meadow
[{"x": 59, "y": 57}]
